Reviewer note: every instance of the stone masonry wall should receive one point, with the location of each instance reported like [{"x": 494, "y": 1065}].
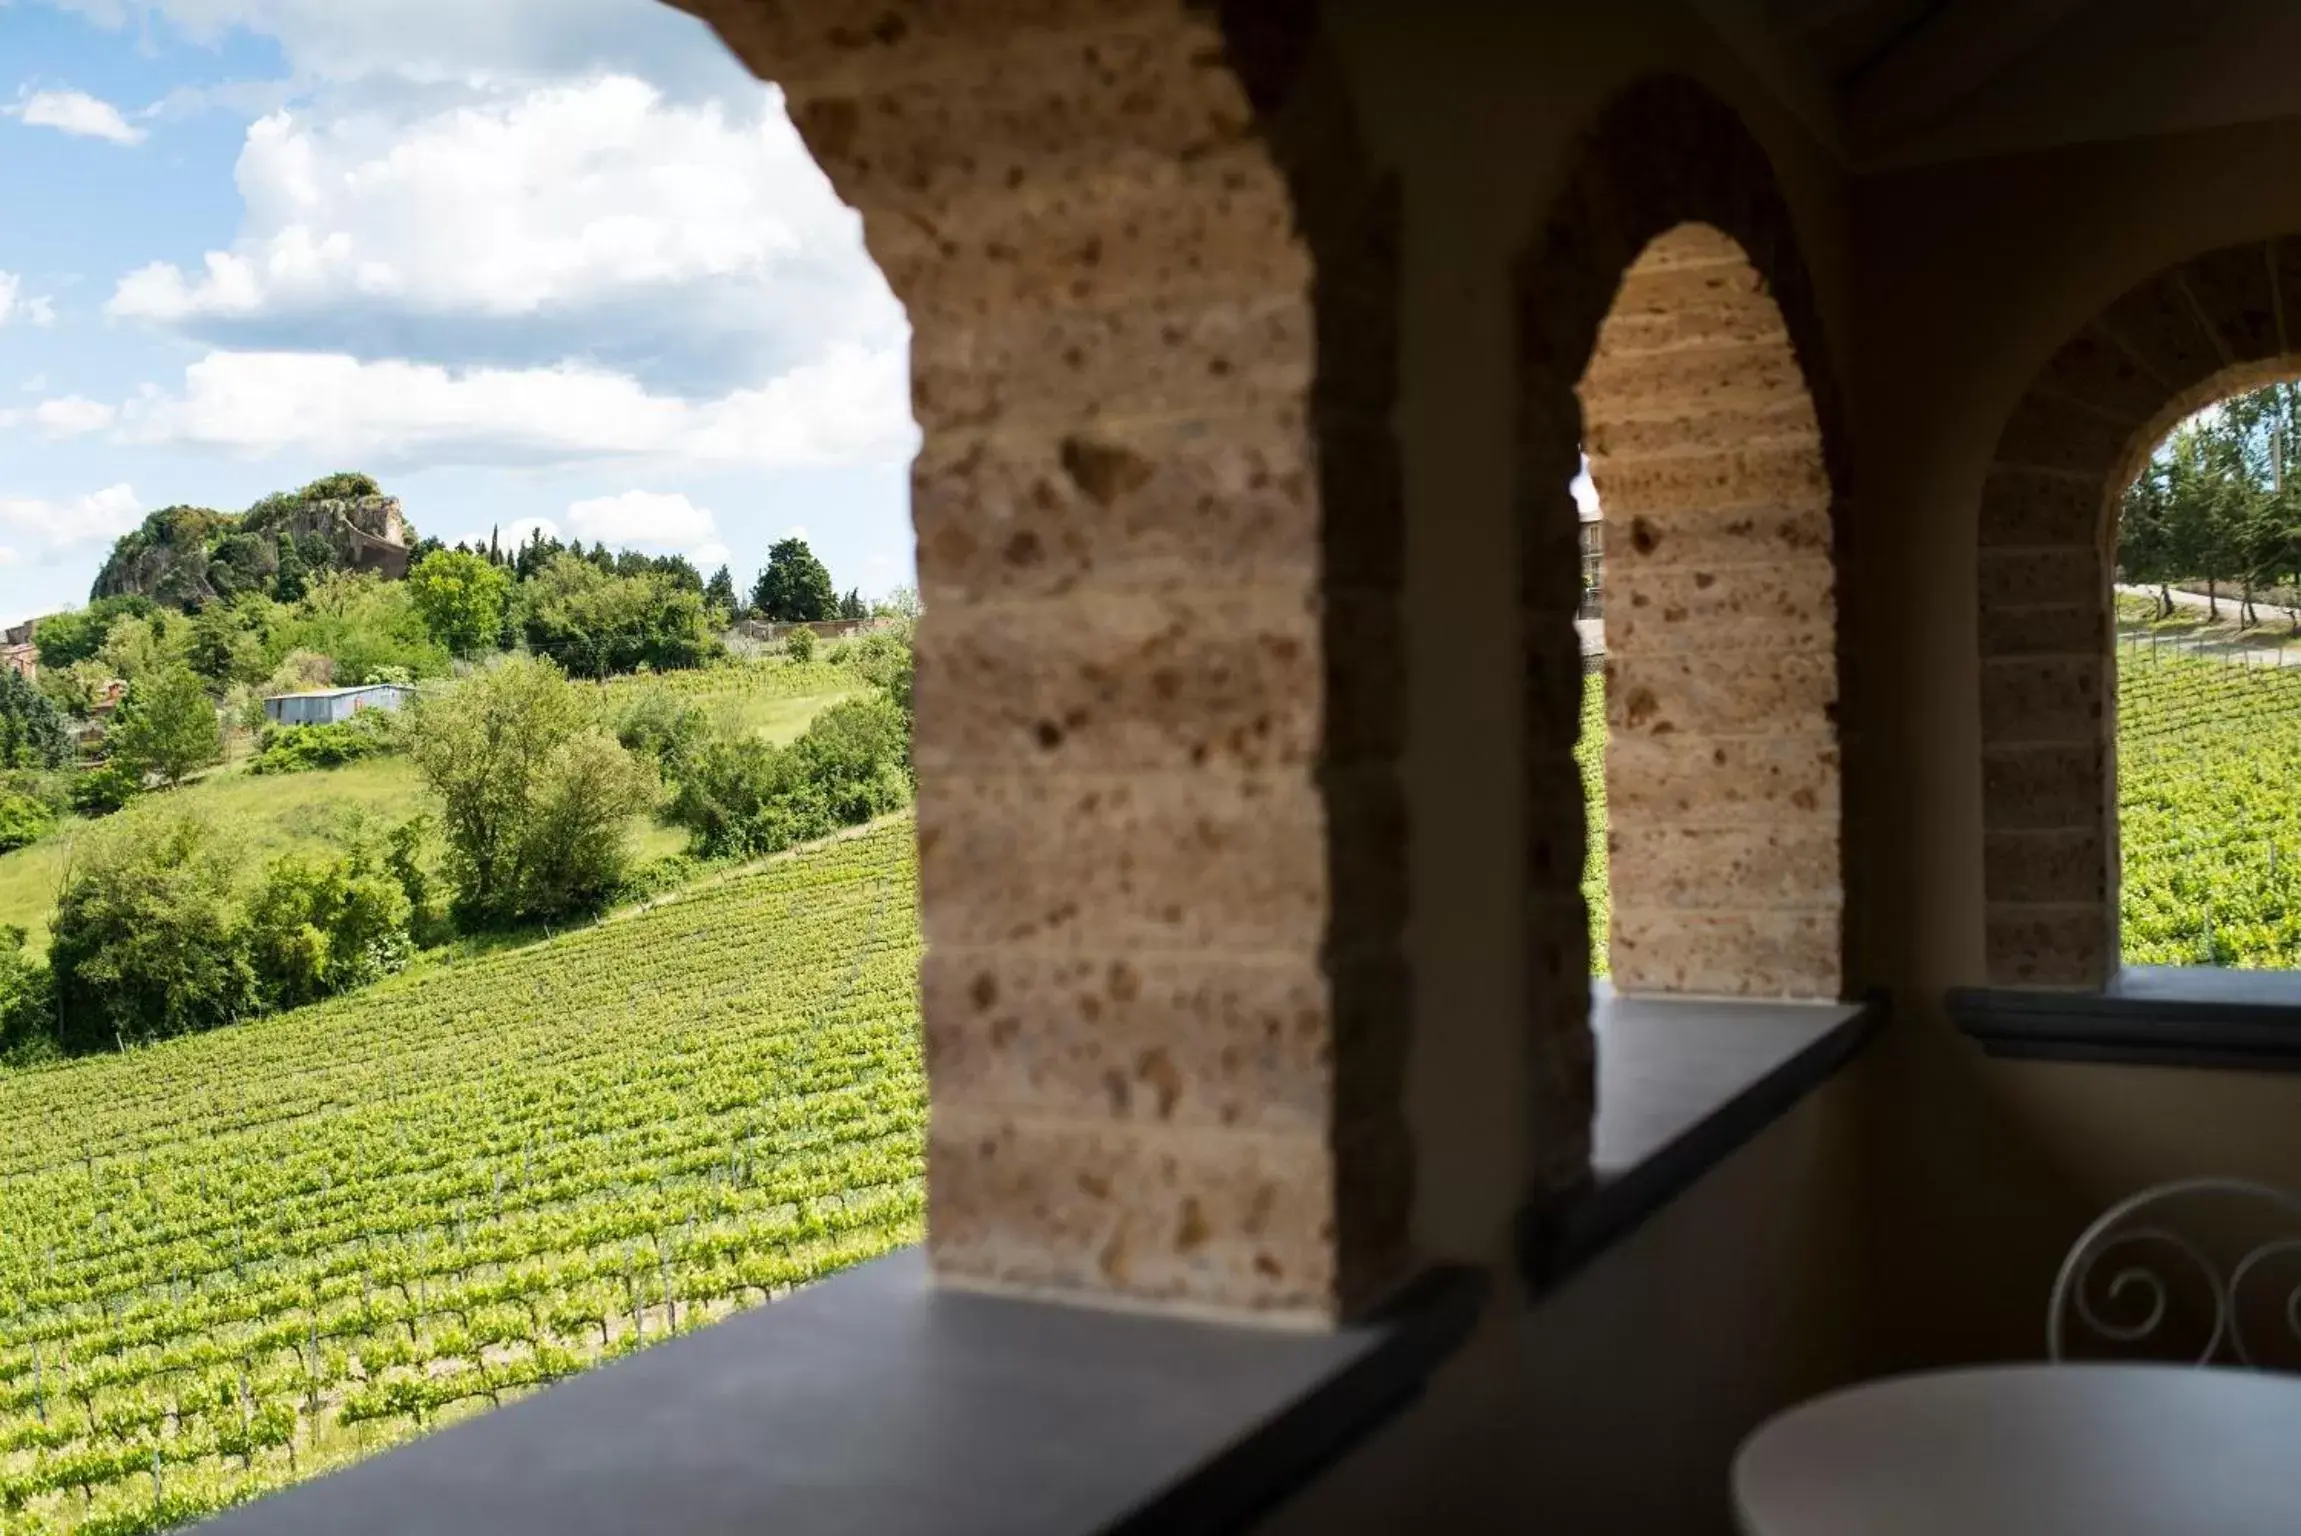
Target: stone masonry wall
[
  {"x": 1670, "y": 328},
  {"x": 2212, "y": 327},
  {"x": 1721, "y": 630},
  {"x": 1153, "y": 298}
]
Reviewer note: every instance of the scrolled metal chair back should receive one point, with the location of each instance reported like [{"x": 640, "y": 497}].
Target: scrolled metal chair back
[{"x": 2119, "y": 1284}]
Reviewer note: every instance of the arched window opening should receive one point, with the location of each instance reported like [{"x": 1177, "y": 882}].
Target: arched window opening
[
  {"x": 1715, "y": 823},
  {"x": 2207, "y": 600}
]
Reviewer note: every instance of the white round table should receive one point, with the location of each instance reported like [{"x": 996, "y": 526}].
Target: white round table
[{"x": 2034, "y": 1450}]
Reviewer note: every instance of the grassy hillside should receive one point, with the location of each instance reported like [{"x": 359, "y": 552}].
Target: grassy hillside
[
  {"x": 246, "y": 1256},
  {"x": 282, "y": 810}
]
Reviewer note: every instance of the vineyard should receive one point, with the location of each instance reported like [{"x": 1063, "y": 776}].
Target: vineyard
[
  {"x": 1590, "y": 757},
  {"x": 239, "y": 1259},
  {"x": 2209, "y": 808}
]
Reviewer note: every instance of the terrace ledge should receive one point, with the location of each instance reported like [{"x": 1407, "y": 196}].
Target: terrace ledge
[
  {"x": 1683, "y": 1083},
  {"x": 874, "y": 1401},
  {"x": 2148, "y": 1015}
]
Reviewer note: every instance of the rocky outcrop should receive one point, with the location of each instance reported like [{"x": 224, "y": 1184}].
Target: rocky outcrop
[
  {"x": 187, "y": 556},
  {"x": 361, "y": 533}
]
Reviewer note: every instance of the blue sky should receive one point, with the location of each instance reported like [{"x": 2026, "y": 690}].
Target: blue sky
[{"x": 556, "y": 260}]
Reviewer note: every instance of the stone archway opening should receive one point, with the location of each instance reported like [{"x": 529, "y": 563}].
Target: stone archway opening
[{"x": 2203, "y": 330}]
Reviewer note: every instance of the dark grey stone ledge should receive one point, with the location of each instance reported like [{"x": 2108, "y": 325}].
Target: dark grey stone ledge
[
  {"x": 1682, "y": 1084},
  {"x": 2150, "y": 1015},
  {"x": 874, "y": 1404}
]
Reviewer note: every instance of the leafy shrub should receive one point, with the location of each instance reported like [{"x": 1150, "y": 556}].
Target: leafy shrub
[
  {"x": 319, "y": 924},
  {"x": 799, "y": 645},
  {"x": 148, "y": 932},
  {"x": 23, "y": 820},
  {"x": 740, "y": 796},
  {"x": 883, "y": 659},
  {"x": 27, "y": 1005},
  {"x": 105, "y": 789},
  {"x": 299, "y": 748},
  {"x": 661, "y": 725}
]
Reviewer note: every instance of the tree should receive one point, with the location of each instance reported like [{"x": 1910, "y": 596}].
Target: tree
[
  {"x": 902, "y": 603},
  {"x": 291, "y": 575},
  {"x": 794, "y": 587},
  {"x": 719, "y": 592},
  {"x": 166, "y": 726},
  {"x": 365, "y": 623},
  {"x": 226, "y": 642},
  {"x": 148, "y": 938},
  {"x": 64, "y": 638},
  {"x": 32, "y": 729},
  {"x": 461, "y": 598},
  {"x": 594, "y": 623},
  {"x": 536, "y": 797},
  {"x": 852, "y": 605}
]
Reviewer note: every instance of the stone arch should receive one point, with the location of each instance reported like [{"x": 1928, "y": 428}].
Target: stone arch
[
  {"x": 1669, "y": 323},
  {"x": 1152, "y": 285},
  {"x": 2210, "y": 327}
]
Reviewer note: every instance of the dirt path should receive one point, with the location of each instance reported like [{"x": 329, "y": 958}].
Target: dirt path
[{"x": 2259, "y": 646}]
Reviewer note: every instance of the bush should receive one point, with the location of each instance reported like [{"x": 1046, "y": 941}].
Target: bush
[
  {"x": 23, "y": 820},
  {"x": 883, "y": 659},
  {"x": 105, "y": 789},
  {"x": 537, "y": 797},
  {"x": 149, "y": 937},
  {"x": 799, "y": 645},
  {"x": 27, "y": 1004},
  {"x": 740, "y": 796},
  {"x": 320, "y": 924},
  {"x": 658, "y": 724},
  {"x": 299, "y": 748}
]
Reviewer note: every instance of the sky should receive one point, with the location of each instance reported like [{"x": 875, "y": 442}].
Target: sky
[{"x": 525, "y": 261}]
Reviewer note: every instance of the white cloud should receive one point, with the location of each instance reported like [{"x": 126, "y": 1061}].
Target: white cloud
[
  {"x": 709, "y": 557},
  {"x": 653, "y": 520},
  {"x": 16, "y": 304},
  {"x": 77, "y": 113},
  {"x": 41, "y": 529},
  {"x": 852, "y": 407},
  {"x": 582, "y": 219},
  {"x": 72, "y": 416}
]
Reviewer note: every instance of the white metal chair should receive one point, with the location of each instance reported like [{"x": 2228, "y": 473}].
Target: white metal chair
[{"x": 2220, "y": 1277}]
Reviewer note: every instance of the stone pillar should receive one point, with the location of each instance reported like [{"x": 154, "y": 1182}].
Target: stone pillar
[
  {"x": 1722, "y": 760},
  {"x": 1161, "y": 835}
]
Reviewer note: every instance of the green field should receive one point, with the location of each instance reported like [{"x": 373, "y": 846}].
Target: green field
[
  {"x": 2209, "y": 809},
  {"x": 277, "y": 812},
  {"x": 237, "y": 1259}
]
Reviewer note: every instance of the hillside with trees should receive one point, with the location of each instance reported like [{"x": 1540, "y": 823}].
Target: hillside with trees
[
  {"x": 560, "y": 729},
  {"x": 2218, "y": 505}
]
